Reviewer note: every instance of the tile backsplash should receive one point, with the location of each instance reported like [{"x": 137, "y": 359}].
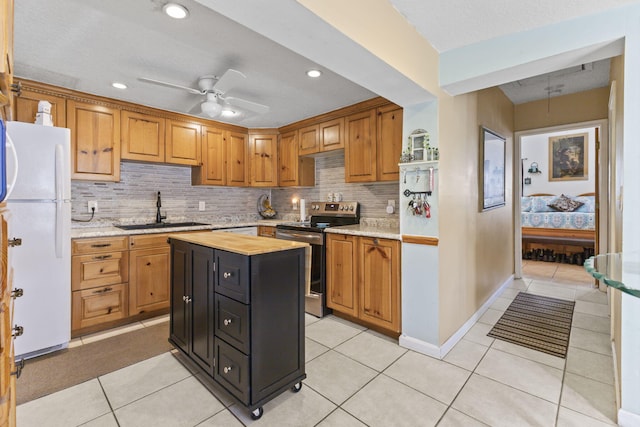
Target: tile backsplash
[{"x": 134, "y": 197}]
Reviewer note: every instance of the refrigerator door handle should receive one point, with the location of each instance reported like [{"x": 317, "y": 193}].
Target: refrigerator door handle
[
  {"x": 59, "y": 228},
  {"x": 60, "y": 182}
]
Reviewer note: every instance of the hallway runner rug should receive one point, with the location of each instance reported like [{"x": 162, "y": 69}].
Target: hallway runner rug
[{"x": 537, "y": 322}]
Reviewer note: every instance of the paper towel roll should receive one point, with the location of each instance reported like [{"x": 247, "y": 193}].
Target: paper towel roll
[{"x": 303, "y": 210}]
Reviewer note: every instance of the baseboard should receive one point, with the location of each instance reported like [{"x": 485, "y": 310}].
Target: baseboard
[
  {"x": 628, "y": 419},
  {"x": 440, "y": 352}
]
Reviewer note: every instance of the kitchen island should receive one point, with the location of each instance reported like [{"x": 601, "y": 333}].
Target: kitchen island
[{"x": 237, "y": 312}]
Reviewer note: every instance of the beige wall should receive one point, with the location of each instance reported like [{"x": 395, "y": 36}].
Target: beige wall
[
  {"x": 573, "y": 108},
  {"x": 476, "y": 248}
]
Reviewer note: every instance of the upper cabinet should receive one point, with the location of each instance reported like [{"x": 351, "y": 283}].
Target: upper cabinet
[
  {"x": 373, "y": 144},
  {"x": 95, "y": 141},
  {"x": 224, "y": 158},
  {"x": 319, "y": 138},
  {"x": 26, "y": 107},
  {"x": 237, "y": 148},
  {"x": 6, "y": 60},
  {"x": 183, "y": 141},
  {"x": 143, "y": 137},
  {"x": 294, "y": 170},
  {"x": 263, "y": 160}
]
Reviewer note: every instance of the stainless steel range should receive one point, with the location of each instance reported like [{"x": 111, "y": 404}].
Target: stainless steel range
[{"x": 323, "y": 215}]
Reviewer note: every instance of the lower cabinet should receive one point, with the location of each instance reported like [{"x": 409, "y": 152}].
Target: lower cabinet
[
  {"x": 148, "y": 273},
  {"x": 363, "y": 279},
  {"x": 266, "y": 231},
  {"x": 240, "y": 318}
]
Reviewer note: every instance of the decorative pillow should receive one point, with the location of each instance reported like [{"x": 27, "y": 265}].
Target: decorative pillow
[
  {"x": 565, "y": 204},
  {"x": 526, "y": 204},
  {"x": 541, "y": 203}
]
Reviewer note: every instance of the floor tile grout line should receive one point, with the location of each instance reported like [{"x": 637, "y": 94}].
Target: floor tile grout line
[{"x": 104, "y": 392}]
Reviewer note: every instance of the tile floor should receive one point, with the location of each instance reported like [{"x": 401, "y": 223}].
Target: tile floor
[{"x": 356, "y": 377}]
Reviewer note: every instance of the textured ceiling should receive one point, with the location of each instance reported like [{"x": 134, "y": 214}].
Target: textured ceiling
[{"x": 88, "y": 44}]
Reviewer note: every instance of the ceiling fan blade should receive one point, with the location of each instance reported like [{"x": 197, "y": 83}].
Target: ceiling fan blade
[
  {"x": 161, "y": 83},
  {"x": 196, "y": 109},
  {"x": 247, "y": 105},
  {"x": 230, "y": 79}
]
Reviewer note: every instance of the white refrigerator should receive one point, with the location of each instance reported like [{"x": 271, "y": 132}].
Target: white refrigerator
[{"x": 39, "y": 204}]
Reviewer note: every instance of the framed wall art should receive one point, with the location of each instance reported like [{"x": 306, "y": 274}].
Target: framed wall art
[
  {"x": 492, "y": 169},
  {"x": 568, "y": 157}
]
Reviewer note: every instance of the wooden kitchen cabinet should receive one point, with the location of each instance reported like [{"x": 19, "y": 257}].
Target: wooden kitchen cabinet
[
  {"x": 266, "y": 231},
  {"x": 183, "y": 143},
  {"x": 149, "y": 276},
  {"x": 237, "y": 162},
  {"x": 373, "y": 145},
  {"x": 99, "y": 275},
  {"x": 322, "y": 137},
  {"x": 6, "y": 58},
  {"x": 263, "y": 160},
  {"x": 142, "y": 137},
  {"x": 26, "y": 107},
  {"x": 224, "y": 158},
  {"x": 95, "y": 141},
  {"x": 363, "y": 279},
  {"x": 294, "y": 170}
]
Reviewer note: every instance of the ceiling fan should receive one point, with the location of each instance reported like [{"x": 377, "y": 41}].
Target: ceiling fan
[{"x": 214, "y": 89}]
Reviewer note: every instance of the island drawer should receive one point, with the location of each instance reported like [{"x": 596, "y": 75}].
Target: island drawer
[
  {"x": 232, "y": 370},
  {"x": 232, "y": 276},
  {"x": 232, "y": 322}
]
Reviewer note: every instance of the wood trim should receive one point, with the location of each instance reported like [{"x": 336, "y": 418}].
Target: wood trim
[
  {"x": 560, "y": 233},
  {"x": 586, "y": 194},
  {"x": 540, "y": 194},
  {"x": 420, "y": 240}
]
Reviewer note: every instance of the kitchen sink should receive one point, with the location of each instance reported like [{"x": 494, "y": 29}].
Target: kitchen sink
[{"x": 158, "y": 225}]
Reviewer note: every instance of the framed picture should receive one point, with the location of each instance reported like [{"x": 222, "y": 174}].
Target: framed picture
[
  {"x": 492, "y": 169},
  {"x": 417, "y": 144},
  {"x": 568, "y": 157}
]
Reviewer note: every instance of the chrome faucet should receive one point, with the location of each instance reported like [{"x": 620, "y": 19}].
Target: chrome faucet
[{"x": 159, "y": 217}]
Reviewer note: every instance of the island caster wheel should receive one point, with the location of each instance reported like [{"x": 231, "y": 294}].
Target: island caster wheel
[
  {"x": 296, "y": 387},
  {"x": 257, "y": 413}
]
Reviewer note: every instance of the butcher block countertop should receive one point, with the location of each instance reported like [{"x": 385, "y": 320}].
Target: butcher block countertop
[{"x": 238, "y": 243}]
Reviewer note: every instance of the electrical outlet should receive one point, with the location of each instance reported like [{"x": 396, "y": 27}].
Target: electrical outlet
[
  {"x": 201, "y": 205},
  {"x": 391, "y": 203},
  {"x": 92, "y": 205}
]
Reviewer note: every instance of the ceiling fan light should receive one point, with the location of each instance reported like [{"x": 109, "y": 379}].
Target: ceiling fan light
[
  {"x": 175, "y": 10},
  {"x": 228, "y": 113},
  {"x": 314, "y": 73},
  {"x": 211, "y": 108}
]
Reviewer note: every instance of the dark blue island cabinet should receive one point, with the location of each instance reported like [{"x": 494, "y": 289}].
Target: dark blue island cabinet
[{"x": 237, "y": 312}]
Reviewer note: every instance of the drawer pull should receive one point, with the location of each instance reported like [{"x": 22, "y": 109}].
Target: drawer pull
[
  {"x": 99, "y": 257},
  {"x": 227, "y": 322},
  {"x": 17, "y": 331},
  {"x": 19, "y": 367},
  {"x": 101, "y": 245},
  {"x": 17, "y": 241},
  {"x": 101, "y": 291},
  {"x": 227, "y": 275},
  {"x": 226, "y": 369},
  {"x": 17, "y": 293}
]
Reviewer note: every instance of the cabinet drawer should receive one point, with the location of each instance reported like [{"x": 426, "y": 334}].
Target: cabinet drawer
[
  {"x": 89, "y": 271},
  {"x": 91, "y": 246},
  {"x": 144, "y": 241},
  {"x": 232, "y": 276},
  {"x": 232, "y": 322},
  {"x": 94, "y": 306},
  {"x": 232, "y": 370}
]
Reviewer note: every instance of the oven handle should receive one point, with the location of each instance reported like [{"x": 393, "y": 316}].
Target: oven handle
[{"x": 311, "y": 238}]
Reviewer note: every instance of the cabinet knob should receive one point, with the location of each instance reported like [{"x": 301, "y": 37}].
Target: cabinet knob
[
  {"x": 186, "y": 299},
  {"x": 226, "y": 369},
  {"x": 17, "y": 293},
  {"x": 226, "y": 275},
  {"x": 227, "y": 322},
  {"x": 17, "y": 331}
]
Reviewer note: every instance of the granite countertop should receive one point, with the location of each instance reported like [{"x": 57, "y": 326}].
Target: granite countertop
[
  {"x": 367, "y": 230},
  {"x": 238, "y": 243}
]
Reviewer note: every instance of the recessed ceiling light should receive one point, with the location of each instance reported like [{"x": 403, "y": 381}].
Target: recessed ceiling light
[
  {"x": 314, "y": 73},
  {"x": 119, "y": 85},
  {"x": 175, "y": 10}
]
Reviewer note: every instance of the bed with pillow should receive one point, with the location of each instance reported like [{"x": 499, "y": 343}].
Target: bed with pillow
[{"x": 564, "y": 219}]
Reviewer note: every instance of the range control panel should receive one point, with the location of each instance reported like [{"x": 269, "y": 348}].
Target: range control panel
[{"x": 335, "y": 208}]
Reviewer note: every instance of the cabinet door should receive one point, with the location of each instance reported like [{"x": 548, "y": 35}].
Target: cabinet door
[
  {"x": 309, "y": 140},
  {"x": 214, "y": 156},
  {"x": 294, "y": 170},
  {"x": 98, "y": 305},
  {"x": 26, "y": 107},
  {"x": 237, "y": 159},
  {"x": 263, "y": 160},
  {"x": 148, "y": 280},
  {"x": 332, "y": 135},
  {"x": 379, "y": 282},
  {"x": 142, "y": 137},
  {"x": 95, "y": 141},
  {"x": 341, "y": 273},
  {"x": 182, "y": 143},
  {"x": 179, "y": 315},
  {"x": 389, "y": 142},
  {"x": 266, "y": 231},
  {"x": 360, "y": 147},
  {"x": 202, "y": 307}
]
